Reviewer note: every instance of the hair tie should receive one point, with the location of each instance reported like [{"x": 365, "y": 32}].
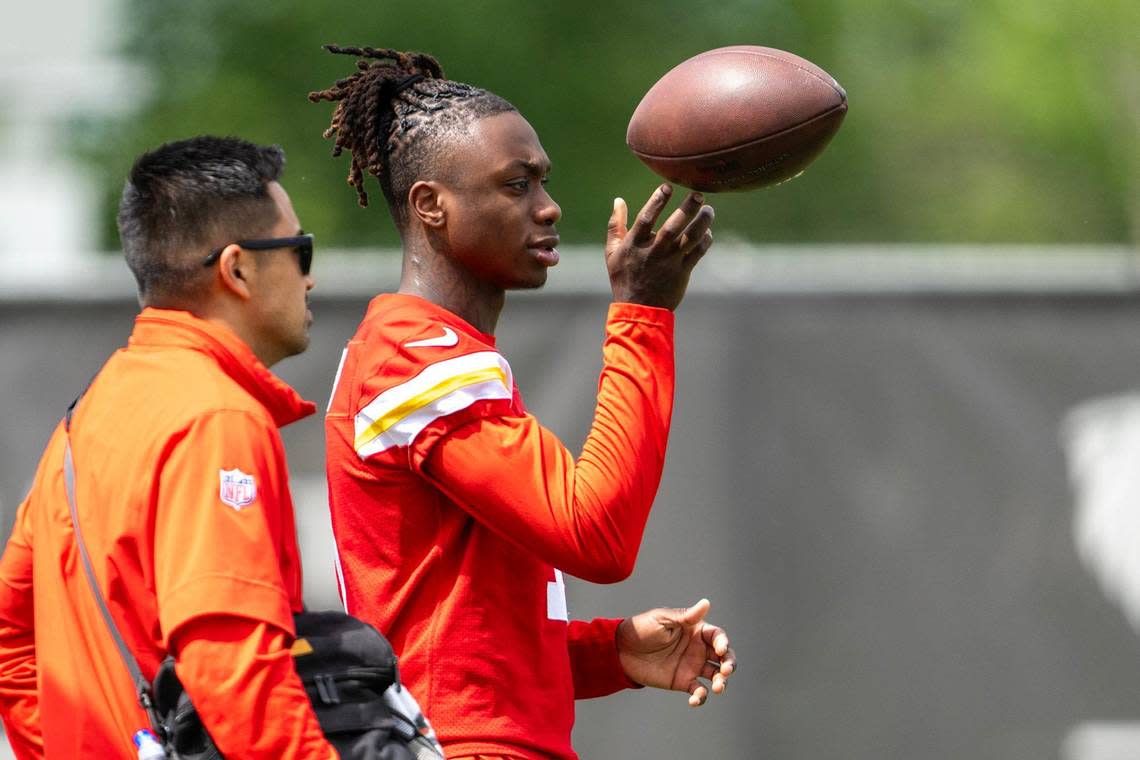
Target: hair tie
[{"x": 407, "y": 82}]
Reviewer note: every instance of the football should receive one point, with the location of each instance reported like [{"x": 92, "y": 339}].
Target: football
[{"x": 736, "y": 118}]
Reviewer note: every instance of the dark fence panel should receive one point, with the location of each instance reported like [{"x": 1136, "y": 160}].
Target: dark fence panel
[{"x": 871, "y": 489}]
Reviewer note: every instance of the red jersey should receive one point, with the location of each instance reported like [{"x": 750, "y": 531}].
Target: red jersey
[
  {"x": 182, "y": 493},
  {"x": 453, "y": 508}
]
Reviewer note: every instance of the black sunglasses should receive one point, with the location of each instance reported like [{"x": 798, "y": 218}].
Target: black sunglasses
[{"x": 302, "y": 245}]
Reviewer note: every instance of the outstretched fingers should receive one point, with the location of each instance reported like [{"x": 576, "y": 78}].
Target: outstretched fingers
[
  {"x": 727, "y": 665},
  {"x": 697, "y": 252},
  {"x": 679, "y": 221},
  {"x": 700, "y": 227},
  {"x": 716, "y": 671},
  {"x": 653, "y": 267},
  {"x": 693, "y": 614},
  {"x": 720, "y": 659},
  {"x": 643, "y": 226},
  {"x": 618, "y": 219}
]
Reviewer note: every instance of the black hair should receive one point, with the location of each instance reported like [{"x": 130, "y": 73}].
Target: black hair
[
  {"x": 395, "y": 115},
  {"x": 183, "y": 199}
]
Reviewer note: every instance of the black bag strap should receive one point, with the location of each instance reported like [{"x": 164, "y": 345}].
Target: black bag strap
[{"x": 141, "y": 684}]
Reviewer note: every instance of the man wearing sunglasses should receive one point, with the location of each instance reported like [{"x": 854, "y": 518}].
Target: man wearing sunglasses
[
  {"x": 277, "y": 321},
  {"x": 180, "y": 482}
]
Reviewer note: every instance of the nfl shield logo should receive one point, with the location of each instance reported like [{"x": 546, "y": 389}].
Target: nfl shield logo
[{"x": 236, "y": 489}]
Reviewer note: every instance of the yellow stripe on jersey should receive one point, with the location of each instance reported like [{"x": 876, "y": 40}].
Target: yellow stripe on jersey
[
  {"x": 397, "y": 415},
  {"x": 415, "y": 403}
]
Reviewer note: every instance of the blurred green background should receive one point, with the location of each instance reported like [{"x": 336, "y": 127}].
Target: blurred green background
[{"x": 990, "y": 121}]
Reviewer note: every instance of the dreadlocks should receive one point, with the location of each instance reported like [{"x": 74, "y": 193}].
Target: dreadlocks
[{"x": 394, "y": 114}]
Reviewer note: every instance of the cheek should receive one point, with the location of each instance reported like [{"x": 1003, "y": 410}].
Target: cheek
[
  {"x": 476, "y": 235},
  {"x": 299, "y": 302},
  {"x": 288, "y": 298}
]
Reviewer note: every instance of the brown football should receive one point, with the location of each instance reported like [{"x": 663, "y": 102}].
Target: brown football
[{"x": 736, "y": 118}]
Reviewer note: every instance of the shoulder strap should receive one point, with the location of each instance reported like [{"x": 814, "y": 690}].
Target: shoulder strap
[{"x": 142, "y": 686}]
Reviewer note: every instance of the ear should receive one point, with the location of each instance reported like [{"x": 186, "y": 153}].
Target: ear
[
  {"x": 426, "y": 201},
  {"x": 234, "y": 267}
]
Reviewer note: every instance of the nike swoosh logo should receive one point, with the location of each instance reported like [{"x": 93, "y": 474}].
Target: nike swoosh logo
[{"x": 449, "y": 338}]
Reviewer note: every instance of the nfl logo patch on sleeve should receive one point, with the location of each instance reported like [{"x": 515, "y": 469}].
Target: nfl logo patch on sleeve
[{"x": 236, "y": 489}]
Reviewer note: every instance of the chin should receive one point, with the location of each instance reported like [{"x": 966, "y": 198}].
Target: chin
[
  {"x": 299, "y": 345},
  {"x": 531, "y": 283}
]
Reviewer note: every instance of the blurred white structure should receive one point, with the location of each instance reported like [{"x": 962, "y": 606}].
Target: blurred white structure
[
  {"x": 315, "y": 535},
  {"x": 1102, "y": 442},
  {"x": 57, "y": 64},
  {"x": 1102, "y": 741}
]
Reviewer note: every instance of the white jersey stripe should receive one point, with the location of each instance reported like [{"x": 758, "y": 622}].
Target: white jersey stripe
[
  {"x": 396, "y": 416},
  {"x": 404, "y": 432},
  {"x": 428, "y": 378},
  {"x": 336, "y": 380},
  {"x": 428, "y": 397}
]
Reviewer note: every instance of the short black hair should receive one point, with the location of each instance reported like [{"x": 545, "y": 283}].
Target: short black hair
[
  {"x": 185, "y": 198},
  {"x": 395, "y": 115}
]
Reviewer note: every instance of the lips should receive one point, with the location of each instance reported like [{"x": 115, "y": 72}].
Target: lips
[{"x": 545, "y": 250}]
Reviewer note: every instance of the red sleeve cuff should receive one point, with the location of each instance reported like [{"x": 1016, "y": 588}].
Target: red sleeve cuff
[
  {"x": 635, "y": 312},
  {"x": 594, "y": 659}
]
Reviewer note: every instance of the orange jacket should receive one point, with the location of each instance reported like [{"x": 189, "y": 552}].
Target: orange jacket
[{"x": 183, "y": 500}]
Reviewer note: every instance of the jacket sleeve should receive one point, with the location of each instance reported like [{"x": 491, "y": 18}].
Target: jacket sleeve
[
  {"x": 586, "y": 516},
  {"x": 19, "y": 701},
  {"x": 240, "y": 676},
  {"x": 226, "y": 581},
  {"x": 594, "y": 660},
  {"x": 224, "y": 524}
]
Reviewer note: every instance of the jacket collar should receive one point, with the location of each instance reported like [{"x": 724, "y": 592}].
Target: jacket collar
[{"x": 181, "y": 329}]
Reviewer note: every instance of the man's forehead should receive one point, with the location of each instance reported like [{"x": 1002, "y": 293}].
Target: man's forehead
[
  {"x": 288, "y": 216},
  {"x": 511, "y": 142}
]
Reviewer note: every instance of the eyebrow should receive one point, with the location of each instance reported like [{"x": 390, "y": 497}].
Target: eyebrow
[{"x": 533, "y": 167}]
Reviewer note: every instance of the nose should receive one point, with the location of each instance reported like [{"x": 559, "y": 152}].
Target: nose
[
  {"x": 547, "y": 212},
  {"x": 309, "y": 282}
]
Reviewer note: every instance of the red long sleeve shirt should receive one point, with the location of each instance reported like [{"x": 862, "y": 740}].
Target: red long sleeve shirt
[
  {"x": 455, "y": 513},
  {"x": 183, "y": 500}
]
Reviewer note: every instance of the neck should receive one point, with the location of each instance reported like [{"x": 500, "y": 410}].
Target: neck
[
  {"x": 219, "y": 312},
  {"x": 435, "y": 277}
]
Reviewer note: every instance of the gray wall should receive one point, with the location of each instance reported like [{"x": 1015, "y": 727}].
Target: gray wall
[{"x": 870, "y": 489}]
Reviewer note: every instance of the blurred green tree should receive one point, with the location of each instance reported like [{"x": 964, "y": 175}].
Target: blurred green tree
[{"x": 993, "y": 121}]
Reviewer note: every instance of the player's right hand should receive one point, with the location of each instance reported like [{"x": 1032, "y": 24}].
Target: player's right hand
[{"x": 653, "y": 268}]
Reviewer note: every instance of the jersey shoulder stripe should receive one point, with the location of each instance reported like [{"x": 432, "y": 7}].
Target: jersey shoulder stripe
[{"x": 397, "y": 415}]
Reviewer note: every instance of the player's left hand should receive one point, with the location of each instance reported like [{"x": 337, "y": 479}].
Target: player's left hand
[{"x": 674, "y": 649}]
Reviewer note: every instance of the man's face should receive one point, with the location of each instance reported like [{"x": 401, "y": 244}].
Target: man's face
[
  {"x": 499, "y": 217},
  {"x": 280, "y": 306}
]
